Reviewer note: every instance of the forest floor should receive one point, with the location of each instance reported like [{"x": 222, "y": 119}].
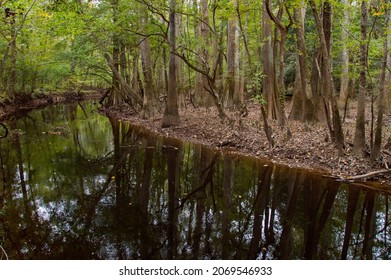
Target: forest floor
[{"x": 306, "y": 145}]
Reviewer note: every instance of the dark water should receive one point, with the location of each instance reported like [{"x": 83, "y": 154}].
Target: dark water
[{"x": 77, "y": 185}]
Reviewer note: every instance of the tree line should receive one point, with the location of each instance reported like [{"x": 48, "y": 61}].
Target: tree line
[{"x": 209, "y": 53}]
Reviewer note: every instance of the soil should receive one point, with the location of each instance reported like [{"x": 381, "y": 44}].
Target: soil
[{"x": 300, "y": 145}]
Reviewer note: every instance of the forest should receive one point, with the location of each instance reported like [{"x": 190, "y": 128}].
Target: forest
[
  {"x": 302, "y": 82},
  {"x": 195, "y": 129}
]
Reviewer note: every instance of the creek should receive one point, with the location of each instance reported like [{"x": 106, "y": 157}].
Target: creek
[{"x": 75, "y": 184}]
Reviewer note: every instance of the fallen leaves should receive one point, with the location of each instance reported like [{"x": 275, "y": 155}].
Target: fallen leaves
[{"x": 296, "y": 145}]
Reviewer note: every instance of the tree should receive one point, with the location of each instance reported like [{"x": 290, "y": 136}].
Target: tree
[
  {"x": 171, "y": 115},
  {"x": 268, "y": 73},
  {"x": 232, "y": 49},
  {"x": 344, "y": 91},
  {"x": 201, "y": 26},
  {"x": 375, "y": 153},
  {"x": 10, "y": 17},
  {"x": 359, "y": 135},
  {"x": 148, "y": 102},
  {"x": 303, "y": 107},
  {"x": 332, "y": 112},
  {"x": 280, "y": 59}
]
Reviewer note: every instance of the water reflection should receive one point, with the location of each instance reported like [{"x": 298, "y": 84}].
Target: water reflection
[{"x": 77, "y": 185}]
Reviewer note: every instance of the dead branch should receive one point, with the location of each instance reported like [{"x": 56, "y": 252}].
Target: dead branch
[{"x": 370, "y": 174}]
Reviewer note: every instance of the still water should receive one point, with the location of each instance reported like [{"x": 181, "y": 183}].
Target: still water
[{"x": 77, "y": 185}]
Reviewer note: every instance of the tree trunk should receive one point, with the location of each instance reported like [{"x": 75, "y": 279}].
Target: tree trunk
[
  {"x": 279, "y": 61},
  {"x": 268, "y": 80},
  {"x": 255, "y": 87},
  {"x": 171, "y": 115},
  {"x": 239, "y": 90},
  {"x": 359, "y": 136},
  {"x": 375, "y": 154},
  {"x": 136, "y": 99},
  {"x": 148, "y": 99},
  {"x": 334, "y": 121},
  {"x": 231, "y": 53},
  {"x": 135, "y": 80},
  {"x": 387, "y": 93},
  {"x": 302, "y": 102},
  {"x": 344, "y": 91},
  {"x": 202, "y": 30},
  {"x": 12, "y": 69},
  {"x": 180, "y": 70},
  {"x": 116, "y": 97},
  {"x": 199, "y": 85}
]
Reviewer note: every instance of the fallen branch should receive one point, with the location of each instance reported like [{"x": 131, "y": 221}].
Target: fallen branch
[{"x": 370, "y": 174}]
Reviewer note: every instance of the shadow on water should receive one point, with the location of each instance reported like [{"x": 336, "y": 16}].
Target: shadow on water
[{"x": 77, "y": 185}]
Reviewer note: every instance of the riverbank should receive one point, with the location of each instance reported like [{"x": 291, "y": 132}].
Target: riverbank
[
  {"x": 301, "y": 146},
  {"x": 25, "y": 103}
]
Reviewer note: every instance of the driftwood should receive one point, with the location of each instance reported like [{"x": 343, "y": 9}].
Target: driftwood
[{"x": 370, "y": 174}]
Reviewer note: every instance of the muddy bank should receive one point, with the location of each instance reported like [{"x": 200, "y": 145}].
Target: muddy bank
[{"x": 302, "y": 145}]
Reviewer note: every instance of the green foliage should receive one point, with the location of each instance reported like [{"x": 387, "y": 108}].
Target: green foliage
[
  {"x": 256, "y": 85},
  {"x": 62, "y": 43}
]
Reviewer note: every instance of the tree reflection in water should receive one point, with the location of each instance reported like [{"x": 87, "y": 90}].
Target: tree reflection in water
[{"x": 76, "y": 185}]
